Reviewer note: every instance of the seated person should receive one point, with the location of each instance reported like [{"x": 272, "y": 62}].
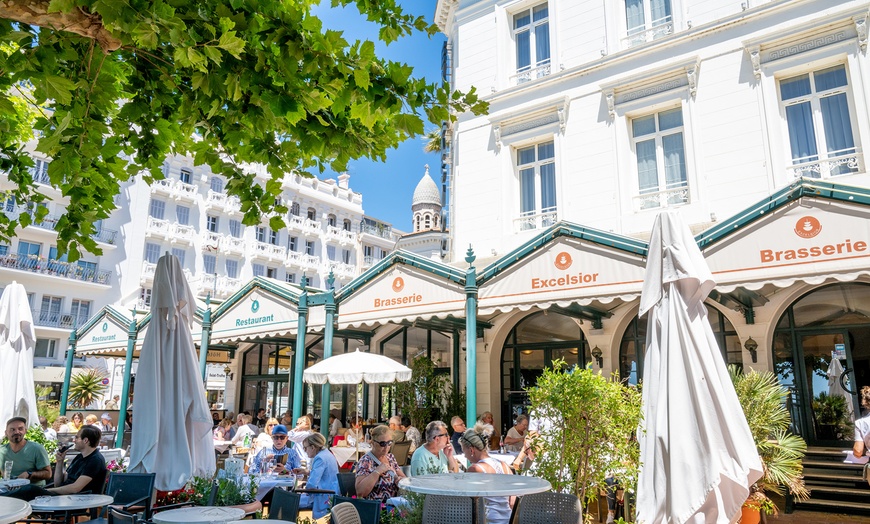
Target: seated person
[
  {"x": 396, "y": 426},
  {"x": 377, "y": 472},
  {"x": 323, "y": 475},
  {"x": 279, "y": 448},
  {"x": 85, "y": 474},
  {"x": 355, "y": 433},
  {"x": 246, "y": 429},
  {"x": 412, "y": 433},
  {"x": 29, "y": 459},
  {"x": 436, "y": 455},
  {"x": 516, "y": 436}
]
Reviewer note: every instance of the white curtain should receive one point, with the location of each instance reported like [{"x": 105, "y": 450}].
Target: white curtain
[
  {"x": 542, "y": 44},
  {"x": 527, "y": 191},
  {"x": 801, "y": 135},
  {"x": 647, "y": 173},
  {"x": 634, "y": 18},
  {"x": 661, "y": 11}
]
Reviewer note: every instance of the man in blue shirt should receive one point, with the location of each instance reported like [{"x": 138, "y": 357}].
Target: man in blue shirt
[{"x": 278, "y": 451}]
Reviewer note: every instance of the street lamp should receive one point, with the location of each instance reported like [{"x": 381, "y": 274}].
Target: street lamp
[{"x": 597, "y": 355}]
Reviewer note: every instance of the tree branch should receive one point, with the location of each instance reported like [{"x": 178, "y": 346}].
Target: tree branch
[{"x": 79, "y": 21}]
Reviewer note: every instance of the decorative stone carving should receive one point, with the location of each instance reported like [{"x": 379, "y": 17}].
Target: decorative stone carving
[
  {"x": 861, "y": 29},
  {"x": 611, "y": 103},
  {"x": 755, "y": 58}
]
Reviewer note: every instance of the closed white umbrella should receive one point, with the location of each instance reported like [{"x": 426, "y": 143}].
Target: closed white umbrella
[
  {"x": 835, "y": 388},
  {"x": 17, "y": 337},
  {"x": 697, "y": 453},
  {"x": 355, "y": 368},
  {"x": 172, "y": 428}
]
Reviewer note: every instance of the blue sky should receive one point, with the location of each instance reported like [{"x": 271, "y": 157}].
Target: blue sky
[{"x": 387, "y": 187}]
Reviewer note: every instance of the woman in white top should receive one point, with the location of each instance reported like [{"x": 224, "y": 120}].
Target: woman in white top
[
  {"x": 862, "y": 427},
  {"x": 474, "y": 444}
]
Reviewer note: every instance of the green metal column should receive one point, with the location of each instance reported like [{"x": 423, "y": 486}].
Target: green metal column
[
  {"x": 328, "y": 332},
  {"x": 300, "y": 350},
  {"x": 457, "y": 348},
  {"x": 70, "y": 353},
  {"x": 470, "y": 339},
  {"x": 125, "y": 388},
  {"x": 206, "y": 334}
]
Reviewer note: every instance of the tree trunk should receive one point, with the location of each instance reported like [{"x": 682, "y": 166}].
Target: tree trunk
[{"x": 78, "y": 21}]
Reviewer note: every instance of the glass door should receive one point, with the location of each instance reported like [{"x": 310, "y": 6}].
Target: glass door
[{"x": 829, "y": 382}]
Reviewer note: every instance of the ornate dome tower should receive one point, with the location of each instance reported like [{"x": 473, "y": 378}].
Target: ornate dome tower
[{"x": 426, "y": 205}]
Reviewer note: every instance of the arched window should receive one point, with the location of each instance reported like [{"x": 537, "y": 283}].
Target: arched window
[
  {"x": 417, "y": 223},
  {"x": 330, "y": 220},
  {"x": 294, "y": 209},
  {"x": 345, "y": 224},
  {"x": 427, "y": 222},
  {"x": 312, "y": 213}
]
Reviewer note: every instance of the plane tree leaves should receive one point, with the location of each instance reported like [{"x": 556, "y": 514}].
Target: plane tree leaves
[{"x": 111, "y": 88}]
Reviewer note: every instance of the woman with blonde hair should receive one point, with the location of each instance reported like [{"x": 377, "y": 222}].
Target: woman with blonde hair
[
  {"x": 91, "y": 420},
  {"x": 76, "y": 423},
  {"x": 474, "y": 444},
  {"x": 323, "y": 474},
  {"x": 223, "y": 427},
  {"x": 61, "y": 424},
  {"x": 862, "y": 427},
  {"x": 377, "y": 472}
]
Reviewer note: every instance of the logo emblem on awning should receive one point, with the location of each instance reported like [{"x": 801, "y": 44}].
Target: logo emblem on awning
[
  {"x": 255, "y": 305},
  {"x": 808, "y": 227},
  {"x": 398, "y": 284},
  {"x": 563, "y": 261}
]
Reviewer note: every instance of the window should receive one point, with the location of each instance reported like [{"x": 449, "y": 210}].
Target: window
[
  {"x": 9, "y": 203},
  {"x": 273, "y": 238},
  {"x": 182, "y": 215},
  {"x": 330, "y": 220},
  {"x": 216, "y": 184},
  {"x": 233, "y": 268},
  {"x": 261, "y": 234},
  {"x": 272, "y": 272},
  {"x": 657, "y": 140},
  {"x": 292, "y": 243},
  {"x": 818, "y": 116},
  {"x": 179, "y": 253},
  {"x": 40, "y": 171},
  {"x": 309, "y": 247},
  {"x": 88, "y": 269},
  {"x": 52, "y": 254},
  {"x": 208, "y": 263},
  {"x": 330, "y": 252},
  {"x": 211, "y": 223},
  {"x": 537, "y": 176},
  {"x": 312, "y": 213},
  {"x": 80, "y": 310},
  {"x": 157, "y": 209},
  {"x": 45, "y": 348},
  {"x": 345, "y": 224},
  {"x": 152, "y": 252},
  {"x": 259, "y": 269},
  {"x": 145, "y": 296},
  {"x": 49, "y": 312},
  {"x": 4, "y": 250},
  {"x": 235, "y": 228},
  {"x": 647, "y": 20},
  {"x": 531, "y": 31},
  {"x": 345, "y": 256},
  {"x": 290, "y": 277},
  {"x": 185, "y": 175},
  {"x": 28, "y": 248},
  {"x": 294, "y": 209}
]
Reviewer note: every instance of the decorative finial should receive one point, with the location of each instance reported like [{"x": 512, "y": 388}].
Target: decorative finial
[
  {"x": 330, "y": 280},
  {"x": 427, "y": 169},
  {"x": 469, "y": 255},
  {"x": 304, "y": 282}
]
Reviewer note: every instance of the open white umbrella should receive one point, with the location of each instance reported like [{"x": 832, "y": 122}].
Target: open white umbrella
[
  {"x": 17, "y": 393},
  {"x": 355, "y": 368},
  {"x": 835, "y": 388},
  {"x": 697, "y": 453},
  {"x": 172, "y": 430}
]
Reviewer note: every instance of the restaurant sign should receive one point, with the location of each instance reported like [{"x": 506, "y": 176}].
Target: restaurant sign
[
  {"x": 256, "y": 315},
  {"x": 107, "y": 334}
]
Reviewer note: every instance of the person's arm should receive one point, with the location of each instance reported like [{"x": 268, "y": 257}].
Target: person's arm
[
  {"x": 59, "y": 473},
  {"x": 366, "y": 481},
  {"x": 75, "y": 487},
  {"x": 39, "y": 474},
  {"x": 315, "y": 476},
  {"x": 858, "y": 449},
  {"x": 452, "y": 465},
  {"x": 509, "y": 440}
]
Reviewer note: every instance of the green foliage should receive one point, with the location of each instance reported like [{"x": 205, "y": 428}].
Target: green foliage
[
  {"x": 763, "y": 401},
  {"x": 49, "y": 409},
  {"x": 227, "y": 81},
  {"x": 422, "y": 397},
  {"x": 832, "y": 411},
  {"x": 35, "y": 434},
  {"x": 86, "y": 387},
  {"x": 589, "y": 423},
  {"x": 230, "y": 492}
]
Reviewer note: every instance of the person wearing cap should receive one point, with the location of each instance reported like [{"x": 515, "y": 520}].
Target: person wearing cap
[
  {"x": 279, "y": 448},
  {"x": 106, "y": 423}
]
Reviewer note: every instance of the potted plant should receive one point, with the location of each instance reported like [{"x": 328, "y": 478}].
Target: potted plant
[
  {"x": 832, "y": 416},
  {"x": 762, "y": 398},
  {"x": 237, "y": 493}
]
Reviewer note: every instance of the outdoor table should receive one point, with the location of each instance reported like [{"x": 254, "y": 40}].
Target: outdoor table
[
  {"x": 474, "y": 485},
  {"x": 270, "y": 482},
  {"x": 13, "y": 510},
  {"x": 68, "y": 503},
  {"x": 6, "y": 485},
  {"x": 222, "y": 445},
  {"x": 342, "y": 453},
  {"x": 199, "y": 514},
  {"x": 261, "y": 521}
]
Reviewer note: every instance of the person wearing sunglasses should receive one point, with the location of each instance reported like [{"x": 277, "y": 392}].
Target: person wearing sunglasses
[
  {"x": 474, "y": 444},
  {"x": 277, "y": 451},
  {"x": 377, "y": 472},
  {"x": 324, "y": 475},
  {"x": 436, "y": 455}
]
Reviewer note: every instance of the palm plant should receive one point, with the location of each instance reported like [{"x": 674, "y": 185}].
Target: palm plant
[
  {"x": 763, "y": 398},
  {"x": 432, "y": 141},
  {"x": 86, "y": 387}
]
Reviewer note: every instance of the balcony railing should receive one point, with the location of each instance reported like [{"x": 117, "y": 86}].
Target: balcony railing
[
  {"x": 669, "y": 197},
  {"x": 641, "y": 35},
  {"x": 268, "y": 251},
  {"x": 233, "y": 245},
  {"x": 106, "y": 236},
  {"x": 378, "y": 231},
  {"x": 223, "y": 202},
  {"x": 176, "y": 189},
  {"x": 340, "y": 235},
  {"x": 301, "y": 260},
  {"x": 211, "y": 241},
  {"x": 49, "y": 223},
  {"x": 56, "y": 319},
  {"x": 304, "y": 224},
  {"x": 40, "y": 173},
  {"x": 837, "y": 163},
  {"x": 531, "y": 73},
  {"x": 341, "y": 270},
  {"x": 171, "y": 231},
  {"x": 55, "y": 268},
  {"x": 533, "y": 220},
  {"x": 147, "y": 275}
]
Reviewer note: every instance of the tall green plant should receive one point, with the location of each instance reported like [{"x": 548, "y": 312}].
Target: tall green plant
[
  {"x": 86, "y": 387},
  {"x": 46, "y": 408},
  {"x": 763, "y": 398},
  {"x": 423, "y": 396},
  {"x": 588, "y": 423}
]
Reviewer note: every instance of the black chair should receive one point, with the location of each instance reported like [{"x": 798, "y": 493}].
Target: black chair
[
  {"x": 119, "y": 516},
  {"x": 400, "y": 451},
  {"x": 284, "y": 505},
  {"x": 369, "y": 510},
  {"x": 131, "y": 491},
  {"x": 347, "y": 484}
]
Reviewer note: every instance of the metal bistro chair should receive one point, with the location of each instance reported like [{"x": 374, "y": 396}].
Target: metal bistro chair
[
  {"x": 369, "y": 510},
  {"x": 548, "y": 508},
  {"x": 119, "y": 516},
  {"x": 344, "y": 513},
  {"x": 400, "y": 451},
  {"x": 347, "y": 484},
  {"x": 284, "y": 505},
  {"x": 444, "y": 509}
]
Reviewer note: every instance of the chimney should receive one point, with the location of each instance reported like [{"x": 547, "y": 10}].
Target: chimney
[{"x": 342, "y": 180}]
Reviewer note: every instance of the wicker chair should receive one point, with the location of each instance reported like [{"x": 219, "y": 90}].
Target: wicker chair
[
  {"x": 444, "y": 509},
  {"x": 344, "y": 513},
  {"x": 549, "y": 508}
]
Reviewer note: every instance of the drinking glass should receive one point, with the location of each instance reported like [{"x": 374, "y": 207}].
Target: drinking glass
[{"x": 7, "y": 470}]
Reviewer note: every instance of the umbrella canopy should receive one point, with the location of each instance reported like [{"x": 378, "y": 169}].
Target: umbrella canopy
[
  {"x": 835, "y": 388},
  {"x": 355, "y": 368},
  {"x": 697, "y": 453},
  {"x": 17, "y": 394},
  {"x": 172, "y": 433}
]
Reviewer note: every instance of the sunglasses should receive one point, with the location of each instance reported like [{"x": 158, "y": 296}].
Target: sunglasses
[
  {"x": 384, "y": 443},
  {"x": 441, "y": 435},
  {"x": 279, "y": 437}
]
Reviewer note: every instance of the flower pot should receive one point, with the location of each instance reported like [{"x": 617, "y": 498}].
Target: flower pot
[{"x": 750, "y": 515}]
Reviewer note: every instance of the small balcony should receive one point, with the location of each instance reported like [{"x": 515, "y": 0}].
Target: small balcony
[
  {"x": 175, "y": 189},
  {"x": 232, "y": 245},
  {"x": 222, "y": 202},
  {"x": 536, "y": 220},
  {"x": 211, "y": 241},
  {"x": 301, "y": 260},
  {"x": 658, "y": 199},
  {"x": 268, "y": 251},
  {"x": 303, "y": 224},
  {"x": 170, "y": 231},
  {"x": 219, "y": 287},
  {"x": 838, "y": 163},
  {"x": 528, "y": 74},
  {"x": 147, "y": 276},
  {"x": 341, "y": 270},
  {"x": 55, "y": 319},
  {"x": 643, "y": 34},
  {"x": 56, "y": 268},
  {"x": 336, "y": 234},
  {"x": 368, "y": 261}
]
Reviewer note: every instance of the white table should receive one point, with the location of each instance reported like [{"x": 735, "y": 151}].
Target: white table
[
  {"x": 475, "y": 485},
  {"x": 261, "y": 521},
  {"x": 267, "y": 483},
  {"x": 68, "y": 503},
  {"x": 222, "y": 445},
  {"x": 13, "y": 510},
  {"x": 342, "y": 454},
  {"x": 199, "y": 514}
]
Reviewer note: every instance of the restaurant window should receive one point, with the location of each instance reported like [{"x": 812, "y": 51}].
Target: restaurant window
[
  {"x": 157, "y": 209},
  {"x": 659, "y": 149},
  {"x": 536, "y": 166},
  {"x": 531, "y": 35},
  {"x": 266, "y": 372}
]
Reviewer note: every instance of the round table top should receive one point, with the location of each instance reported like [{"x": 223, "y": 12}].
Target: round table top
[
  {"x": 475, "y": 484},
  {"x": 260, "y": 521},
  {"x": 70, "y": 502},
  {"x": 199, "y": 514},
  {"x": 13, "y": 510}
]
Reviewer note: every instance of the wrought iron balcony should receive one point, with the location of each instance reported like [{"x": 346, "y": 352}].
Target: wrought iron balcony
[
  {"x": 641, "y": 35},
  {"x": 667, "y": 198},
  {"x": 534, "y": 220},
  {"x": 55, "y": 268},
  {"x": 531, "y": 73},
  {"x": 55, "y": 319},
  {"x": 838, "y": 163}
]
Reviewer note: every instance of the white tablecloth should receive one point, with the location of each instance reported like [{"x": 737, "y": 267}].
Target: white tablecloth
[
  {"x": 222, "y": 445},
  {"x": 267, "y": 483},
  {"x": 70, "y": 502},
  {"x": 475, "y": 484},
  {"x": 6, "y": 485},
  {"x": 342, "y": 454}
]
